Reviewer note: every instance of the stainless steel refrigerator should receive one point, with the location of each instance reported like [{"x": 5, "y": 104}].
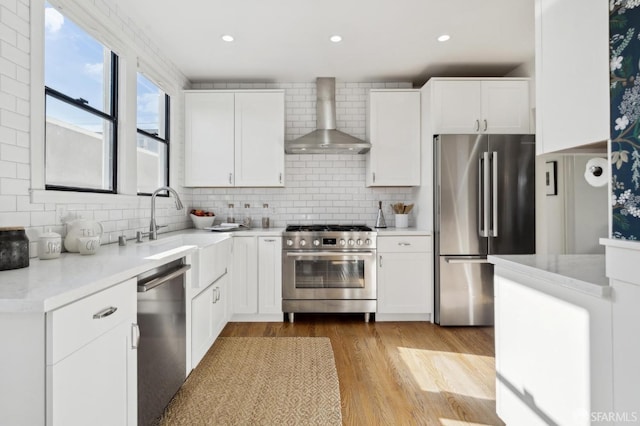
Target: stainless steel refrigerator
[{"x": 484, "y": 198}]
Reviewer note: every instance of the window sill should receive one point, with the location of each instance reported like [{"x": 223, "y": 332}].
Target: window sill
[{"x": 71, "y": 197}]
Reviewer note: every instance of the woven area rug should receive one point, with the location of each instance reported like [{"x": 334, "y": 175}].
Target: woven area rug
[{"x": 260, "y": 381}]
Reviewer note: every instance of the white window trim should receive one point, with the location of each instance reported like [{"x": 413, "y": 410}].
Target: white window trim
[{"x": 105, "y": 33}]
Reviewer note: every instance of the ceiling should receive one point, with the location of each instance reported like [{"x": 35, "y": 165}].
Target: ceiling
[{"x": 383, "y": 40}]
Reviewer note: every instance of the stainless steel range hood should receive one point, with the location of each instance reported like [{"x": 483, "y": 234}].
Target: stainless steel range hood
[{"x": 326, "y": 139}]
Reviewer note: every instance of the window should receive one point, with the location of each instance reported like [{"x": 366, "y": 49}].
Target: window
[
  {"x": 81, "y": 108},
  {"x": 153, "y": 136}
]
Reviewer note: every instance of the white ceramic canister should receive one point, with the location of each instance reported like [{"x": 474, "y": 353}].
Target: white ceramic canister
[{"x": 49, "y": 245}]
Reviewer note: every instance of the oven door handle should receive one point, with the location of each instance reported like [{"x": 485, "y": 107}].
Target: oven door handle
[{"x": 329, "y": 253}]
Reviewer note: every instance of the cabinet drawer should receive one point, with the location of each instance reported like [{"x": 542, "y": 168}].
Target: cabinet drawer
[
  {"x": 404, "y": 244},
  {"x": 73, "y": 326}
]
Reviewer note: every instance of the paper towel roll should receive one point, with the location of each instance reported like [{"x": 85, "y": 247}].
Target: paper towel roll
[{"x": 597, "y": 172}]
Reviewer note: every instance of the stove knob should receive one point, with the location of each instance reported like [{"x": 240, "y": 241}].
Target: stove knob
[
  {"x": 343, "y": 242},
  {"x": 359, "y": 242},
  {"x": 303, "y": 243},
  {"x": 367, "y": 241},
  {"x": 351, "y": 242},
  {"x": 289, "y": 243},
  {"x": 316, "y": 243}
]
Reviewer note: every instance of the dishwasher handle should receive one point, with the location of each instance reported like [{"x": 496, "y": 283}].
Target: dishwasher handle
[{"x": 163, "y": 279}]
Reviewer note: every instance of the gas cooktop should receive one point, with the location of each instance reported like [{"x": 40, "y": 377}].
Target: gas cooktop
[{"x": 328, "y": 228}]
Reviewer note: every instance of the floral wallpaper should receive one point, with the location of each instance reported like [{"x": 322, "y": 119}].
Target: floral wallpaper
[{"x": 624, "y": 32}]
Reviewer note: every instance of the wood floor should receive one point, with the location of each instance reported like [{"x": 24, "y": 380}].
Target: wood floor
[{"x": 401, "y": 373}]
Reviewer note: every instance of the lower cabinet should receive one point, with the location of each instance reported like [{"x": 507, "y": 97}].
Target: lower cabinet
[
  {"x": 209, "y": 314},
  {"x": 91, "y": 373},
  {"x": 405, "y": 278},
  {"x": 553, "y": 352},
  {"x": 257, "y": 278}
]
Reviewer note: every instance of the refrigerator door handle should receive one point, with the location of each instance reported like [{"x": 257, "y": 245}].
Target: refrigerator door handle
[
  {"x": 483, "y": 223},
  {"x": 494, "y": 194},
  {"x": 459, "y": 260},
  {"x": 486, "y": 189}
]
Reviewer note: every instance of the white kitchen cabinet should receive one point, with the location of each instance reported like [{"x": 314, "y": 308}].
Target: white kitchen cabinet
[
  {"x": 469, "y": 106},
  {"x": 393, "y": 129},
  {"x": 270, "y": 275},
  {"x": 234, "y": 139},
  {"x": 257, "y": 278},
  {"x": 244, "y": 270},
  {"x": 209, "y": 138},
  {"x": 405, "y": 278},
  {"x": 208, "y": 317},
  {"x": 553, "y": 351},
  {"x": 572, "y": 73},
  {"x": 91, "y": 359}
]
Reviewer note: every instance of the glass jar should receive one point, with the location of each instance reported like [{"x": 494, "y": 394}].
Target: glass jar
[
  {"x": 14, "y": 248},
  {"x": 246, "y": 221},
  {"x": 265, "y": 215},
  {"x": 231, "y": 217}
]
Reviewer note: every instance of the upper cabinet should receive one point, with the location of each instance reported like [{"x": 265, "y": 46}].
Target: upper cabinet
[
  {"x": 393, "y": 129},
  {"x": 467, "y": 106},
  {"x": 234, "y": 138},
  {"x": 572, "y": 75}
]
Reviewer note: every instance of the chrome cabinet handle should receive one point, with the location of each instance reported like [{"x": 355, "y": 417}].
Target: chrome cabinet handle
[
  {"x": 230, "y": 177},
  {"x": 217, "y": 294},
  {"x": 485, "y": 125},
  {"x": 269, "y": 240},
  {"x": 374, "y": 177},
  {"x": 280, "y": 178},
  {"x": 380, "y": 261},
  {"x": 135, "y": 336},
  {"x": 477, "y": 126},
  {"x": 404, "y": 244},
  {"x": 105, "y": 312}
]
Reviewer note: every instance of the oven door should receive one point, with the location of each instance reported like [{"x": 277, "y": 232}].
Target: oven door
[{"x": 328, "y": 275}]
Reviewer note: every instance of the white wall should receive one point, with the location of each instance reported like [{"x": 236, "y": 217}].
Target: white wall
[{"x": 573, "y": 221}]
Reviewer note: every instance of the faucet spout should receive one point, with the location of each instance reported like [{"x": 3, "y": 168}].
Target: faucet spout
[{"x": 153, "y": 227}]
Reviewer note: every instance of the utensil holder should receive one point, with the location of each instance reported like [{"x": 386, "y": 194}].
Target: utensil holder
[{"x": 402, "y": 220}]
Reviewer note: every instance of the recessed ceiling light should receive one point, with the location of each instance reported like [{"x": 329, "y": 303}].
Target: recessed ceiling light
[
  {"x": 227, "y": 38},
  {"x": 335, "y": 38},
  {"x": 444, "y": 37}
]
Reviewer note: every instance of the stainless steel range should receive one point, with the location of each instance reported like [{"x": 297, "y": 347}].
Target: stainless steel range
[{"x": 329, "y": 268}]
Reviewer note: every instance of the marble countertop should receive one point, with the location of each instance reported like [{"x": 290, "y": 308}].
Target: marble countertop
[
  {"x": 580, "y": 272},
  {"x": 48, "y": 284}
]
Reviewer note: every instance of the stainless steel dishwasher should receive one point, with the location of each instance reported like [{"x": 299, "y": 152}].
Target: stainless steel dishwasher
[{"x": 162, "y": 353}]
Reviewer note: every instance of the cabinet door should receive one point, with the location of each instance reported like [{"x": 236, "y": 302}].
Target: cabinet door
[
  {"x": 259, "y": 139},
  {"x": 270, "y": 273},
  {"x": 245, "y": 275},
  {"x": 209, "y": 139},
  {"x": 404, "y": 283},
  {"x": 394, "y": 132},
  {"x": 95, "y": 385},
  {"x": 456, "y": 107},
  {"x": 201, "y": 324},
  {"x": 572, "y": 92},
  {"x": 505, "y": 107},
  {"x": 220, "y": 300}
]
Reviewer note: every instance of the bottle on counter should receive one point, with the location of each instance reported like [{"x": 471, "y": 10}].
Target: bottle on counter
[
  {"x": 246, "y": 221},
  {"x": 231, "y": 217},
  {"x": 265, "y": 215}
]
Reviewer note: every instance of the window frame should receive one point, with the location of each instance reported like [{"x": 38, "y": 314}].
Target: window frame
[
  {"x": 112, "y": 116},
  {"x": 166, "y": 140}
]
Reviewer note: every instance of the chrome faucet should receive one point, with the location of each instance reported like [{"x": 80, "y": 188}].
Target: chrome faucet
[{"x": 153, "y": 228}]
